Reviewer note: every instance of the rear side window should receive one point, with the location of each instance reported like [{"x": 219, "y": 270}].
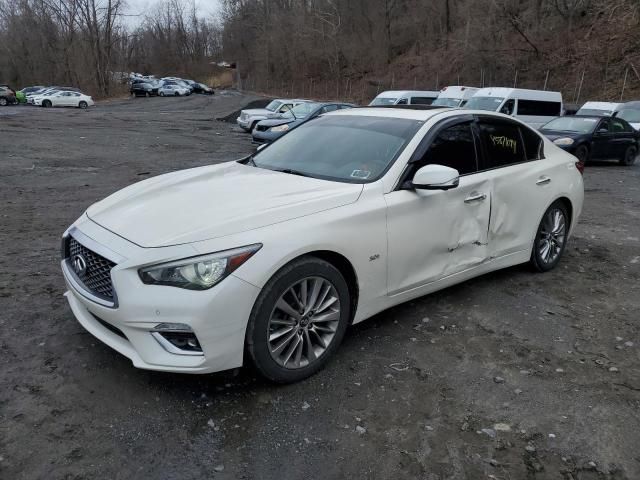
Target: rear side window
[
  {"x": 422, "y": 100},
  {"x": 543, "y": 109},
  {"x": 453, "y": 147},
  {"x": 402, "y": 101},
  {"x": 533, "y": 144},
  {"x": 503, "y": 144}
]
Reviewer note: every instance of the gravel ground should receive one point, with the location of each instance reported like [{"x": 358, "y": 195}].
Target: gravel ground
[{"x": 513, "y": 375}]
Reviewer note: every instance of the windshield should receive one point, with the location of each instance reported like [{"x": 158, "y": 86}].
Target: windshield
[
  {"x": 630, "y": 115},
  {"x": 301, "y": 111},
  {"x": 484, "y": 103},
  {"x": 274, "y": 105},
  {"x": 571, "y": 124},
  {"x": 447, "y": 102},
  {"x": 593, "y": 111},
  {"x": 346, "y": 148},
  {"x": 383, "y": 101}
]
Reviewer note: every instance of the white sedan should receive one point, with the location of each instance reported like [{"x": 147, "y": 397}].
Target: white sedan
[
  {"x": 63, "y": 99},
  {"x": 275, "y": 255},
  {"x": 173, "y": 91}
]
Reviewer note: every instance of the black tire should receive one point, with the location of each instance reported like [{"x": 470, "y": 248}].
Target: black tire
[
  {"x": 147, "y": 94},
  {"x": 3, "y": 102},
  {"x": 258, "y": 329},
  {"x": 629, "y": 157},
  {"x": 161, "y": 94},
  {"x": 83, "y": 105},
  {"x": 177, "y": 94},
  {"x": 556, "y": 242},
  {"x": 46, "y": 103},
  {"x": 582, "y": 153}
]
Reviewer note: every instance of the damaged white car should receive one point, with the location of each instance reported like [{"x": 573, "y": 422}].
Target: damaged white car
[{"x": 271, "y": 258}]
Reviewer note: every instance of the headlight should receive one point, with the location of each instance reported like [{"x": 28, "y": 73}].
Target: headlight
[
  {"x": 563, "y": 141},
  {"x": 280, "y": 128},
  {"x": 198, "y": 273}
]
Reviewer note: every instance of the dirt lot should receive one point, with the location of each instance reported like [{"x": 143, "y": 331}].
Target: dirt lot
[{"x": 513, "y": 375}]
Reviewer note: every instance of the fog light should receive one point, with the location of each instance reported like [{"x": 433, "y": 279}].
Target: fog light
[
  {"x": 177, "y": 340},
  {"x": 172, "y": 327}
]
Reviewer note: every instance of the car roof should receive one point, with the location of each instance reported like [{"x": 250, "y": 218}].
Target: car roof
[
  {"x": 400, "y": 93},
  {"x": 601, "y": 105},
  {"x": 633, "y": 104},
  {"x": 408, "y": 113},
  {"x": 517, "y": 93}
]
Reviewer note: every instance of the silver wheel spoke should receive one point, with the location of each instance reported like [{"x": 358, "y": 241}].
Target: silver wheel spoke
[
  {"x": 286, "y": 308},
  {"x": 552, "y": 235},
  {"x": 296, "y": 339}
]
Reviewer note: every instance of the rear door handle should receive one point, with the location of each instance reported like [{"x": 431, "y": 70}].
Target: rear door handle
[
  {"x": 543, "y": 181},
  {"x": 475, "y": 197}
]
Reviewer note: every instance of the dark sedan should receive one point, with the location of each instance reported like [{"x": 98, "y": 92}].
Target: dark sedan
[
  {"x": 269, "y": 130},
  {"x": 594, "y": 138},
  {"x": 144, "y": 89}
]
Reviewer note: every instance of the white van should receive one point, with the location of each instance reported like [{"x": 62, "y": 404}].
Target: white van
[
  {"x": 405, "y": 97},
  {"x": 601, "y": 109},
  {"x": 454, "y": 96},
  {"x": 534, "y": 107}
]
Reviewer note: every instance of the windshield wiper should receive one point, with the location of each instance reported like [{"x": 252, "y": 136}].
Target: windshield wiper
[{"x": 293, "y": 172}]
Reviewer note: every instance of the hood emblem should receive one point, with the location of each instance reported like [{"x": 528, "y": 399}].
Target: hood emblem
[{"x": 79, "y": 265}]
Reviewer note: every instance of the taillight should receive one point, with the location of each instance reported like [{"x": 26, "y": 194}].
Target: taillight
[{"x": 580, "y": 167}]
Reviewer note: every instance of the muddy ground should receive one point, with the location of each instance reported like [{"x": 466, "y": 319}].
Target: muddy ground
[{"x": 514, "y": 375}]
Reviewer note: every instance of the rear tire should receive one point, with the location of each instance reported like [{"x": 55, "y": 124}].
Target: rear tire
[
  {"x": 629, "y": 157},
  {"x": 3, "y": 102},
  {"x": 551, "y": 237},
  {"x": 290, "y": 344}
]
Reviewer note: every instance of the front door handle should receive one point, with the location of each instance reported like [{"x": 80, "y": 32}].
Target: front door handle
[
  {"x": 475, "y": 197},
  {"x": 543, "y": 181}
]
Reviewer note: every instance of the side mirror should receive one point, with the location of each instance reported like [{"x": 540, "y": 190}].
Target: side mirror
[{"x": 436, "y": 177}]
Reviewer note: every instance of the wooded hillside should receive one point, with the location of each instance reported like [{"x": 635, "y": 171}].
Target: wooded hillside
[{"x": 348, "y": 49}]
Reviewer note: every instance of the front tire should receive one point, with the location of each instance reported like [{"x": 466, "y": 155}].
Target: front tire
[
  {"x": 629, "y": 157},
  {"x": 551, "y": 238},
  {"x": 83, "y": 105},
  {"x": 46, "y": 103},
  {"x": 3, "y": 102},
  {"x": 162, "y": 94},
  {"x": 582, "y": 153},
  {"x": 298, "y": 320}
]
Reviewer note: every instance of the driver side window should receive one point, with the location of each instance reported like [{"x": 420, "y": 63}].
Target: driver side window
[{"x": 453, "y": 147}]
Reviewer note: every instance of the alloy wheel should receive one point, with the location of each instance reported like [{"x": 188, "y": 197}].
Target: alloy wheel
[
  {"x": 552, "y": 235},
  {"x": 303, "y": 322}
]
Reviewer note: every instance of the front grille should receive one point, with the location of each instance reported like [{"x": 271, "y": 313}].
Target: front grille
[{"x": 97, "y": 274}]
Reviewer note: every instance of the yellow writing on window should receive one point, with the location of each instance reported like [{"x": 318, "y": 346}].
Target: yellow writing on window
[{"x": 504, "y": 142}]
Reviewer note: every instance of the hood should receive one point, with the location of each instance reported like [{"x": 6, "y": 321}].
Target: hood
[
  {"x": 256, "y": 112},
  {"x": 555, "y": 134},
  {"x": 278, "y": 121},
  {"x": 214, "y": 201}
]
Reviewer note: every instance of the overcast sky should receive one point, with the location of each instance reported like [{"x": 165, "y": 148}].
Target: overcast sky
[{"x": 136, "y": 9}]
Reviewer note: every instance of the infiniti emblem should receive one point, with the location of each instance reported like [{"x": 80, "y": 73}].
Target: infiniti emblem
[{"x": 79, "y": 265}]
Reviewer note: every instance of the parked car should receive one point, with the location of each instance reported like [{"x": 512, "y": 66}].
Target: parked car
[
  {"x": 173, "y": 90},
  {"x": 269, "y": 130},
  {"x": 630, "y": 112},
  {"x": 143, "y": 89},
  {"x": 534, "y": 107},
  {"x": 249, "y": 118},
  {"x": 202, "y": 88},
  {"x": 454, "y": 96},
  {"x": 405, "y": 97},
  {"x": 177, "y": 81},
  {"x": 594, "y": 138},
  {"x": 602, "y": 109},
  {"x": 274, "y": 256},
  {"x": 28, "y": 90},
  {"x": 63, "y": 98},
  {"x": 20, "y": 97},
  {"x": 7, "y": 96}
]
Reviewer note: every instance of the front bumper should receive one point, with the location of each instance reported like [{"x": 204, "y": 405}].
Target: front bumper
[
  {"x": 265, "y": 136},
  {"x": 218, "y": 317},
  {"x": 243, "y": 123}
]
